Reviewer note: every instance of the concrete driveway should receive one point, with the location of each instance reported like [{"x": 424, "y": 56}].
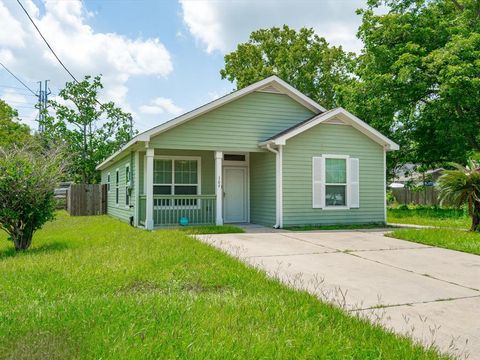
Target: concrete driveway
[{"x": 428, "y": 293}]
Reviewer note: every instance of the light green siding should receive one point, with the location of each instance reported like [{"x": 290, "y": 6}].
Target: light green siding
[
  {"x": 297, "y": 175},
  {"x": 207, "y": 167},
  {"x": 236, "y": 126},
  {"x": 262, "y": 188},
  {"x": 121, "y": 210}
]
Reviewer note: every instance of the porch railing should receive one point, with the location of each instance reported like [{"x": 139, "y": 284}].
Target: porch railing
[{"x": 173, "y": 210}]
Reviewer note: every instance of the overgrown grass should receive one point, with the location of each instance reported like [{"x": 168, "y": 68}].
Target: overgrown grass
[
  {"x": 445, "y": 238},
  {"x": 336, "y": 227},
  {"x": 213, "y": 229},
  {"x": 96, "y": 288},
  {"x": 429, "y": 216}
]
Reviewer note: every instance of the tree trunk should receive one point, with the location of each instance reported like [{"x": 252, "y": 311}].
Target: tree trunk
[
  {"x": 476, "y": 217},
  {"x": 22, "y": 239}
]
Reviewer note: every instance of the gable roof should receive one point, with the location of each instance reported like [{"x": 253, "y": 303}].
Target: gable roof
[
  {"x": 338, "y": 113},
  {"x": 271, "y": 84}
]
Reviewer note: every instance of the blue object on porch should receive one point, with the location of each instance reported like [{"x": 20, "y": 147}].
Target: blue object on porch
[{"x": 184, "y": 221}]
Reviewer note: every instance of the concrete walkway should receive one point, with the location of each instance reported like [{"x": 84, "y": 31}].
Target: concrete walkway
[{"x": 428, "y": 293}]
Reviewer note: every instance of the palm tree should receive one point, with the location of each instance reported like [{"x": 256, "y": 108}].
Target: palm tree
[{"x": 462, "y": 186}]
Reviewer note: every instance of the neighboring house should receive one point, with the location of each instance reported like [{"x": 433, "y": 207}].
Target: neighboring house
[
  {"x": 265, "y": 154},
  {"x": 407, "y": 174}
]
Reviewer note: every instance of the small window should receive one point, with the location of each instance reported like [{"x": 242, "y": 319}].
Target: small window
[
  {"x": 117, "y": 180},
  {"x": 127, "y": 174},
  {"x": 108, "y": 182},
  {"x": 234, "y": 157},
  {"x": 335, "y": 182}
]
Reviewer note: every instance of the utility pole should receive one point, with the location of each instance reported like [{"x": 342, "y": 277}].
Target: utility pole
[
  {"x": 42, "y": 104},
  {"x": 131, "y": 126}
]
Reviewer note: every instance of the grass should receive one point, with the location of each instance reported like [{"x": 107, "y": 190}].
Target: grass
[
  {"x": 213, "y": 229},
  {"x": 445, "y": 238},
  {"x": 96, "y": 288},
  {"x": 429, "y": 216},
  {"x": 336, "y": 227}
]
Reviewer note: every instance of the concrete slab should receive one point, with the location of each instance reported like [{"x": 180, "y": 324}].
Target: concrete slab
[
  {"x": 428, "y": 293},
  {"x": 260, "y": 244},
  {"x": 453, "y": 266},
  {"x": 353, "y": 282},
  {"x": 453, "y": 326},
  {"x": 354, "y": 240}
]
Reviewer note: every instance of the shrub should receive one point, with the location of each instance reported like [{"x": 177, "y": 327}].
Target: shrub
[{"x": 27, "y": 180}]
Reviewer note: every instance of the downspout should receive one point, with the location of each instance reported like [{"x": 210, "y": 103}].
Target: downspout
[{"x": 278, "y": 184}]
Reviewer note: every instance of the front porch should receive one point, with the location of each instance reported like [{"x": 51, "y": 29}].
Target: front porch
[{"x": 183, "y": 187}]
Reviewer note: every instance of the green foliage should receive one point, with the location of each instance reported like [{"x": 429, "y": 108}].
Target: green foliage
[
  {"x": 12, "y": 132},
  {"x": 445, "y": 238},
  {"x": 98, "y": 288},
  {"x": 89, "y": 130},
  {"x": 462, "y": 187},
  {"x": 419, "y": 78},
  {"x": 428, "y": 216},
  {"x": 212, "y": 229},
  {"x": 27, "y": 180},
  {"x": 303, "y": 59}
]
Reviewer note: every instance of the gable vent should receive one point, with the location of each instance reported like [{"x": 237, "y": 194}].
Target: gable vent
[{"x": 270, "y": 89}]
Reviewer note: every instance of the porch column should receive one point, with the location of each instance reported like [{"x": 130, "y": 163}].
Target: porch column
[
  {"x": 149, "y": 190},
  {"x": 219, "y": 187}
]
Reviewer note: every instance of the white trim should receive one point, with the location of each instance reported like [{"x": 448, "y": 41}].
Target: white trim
[
  {"x": 385, "y": 185},
  {"x": 345, "y": 116},
  {"x": 280, "y": 186},
  {"x": 136, "y": 189},
  {"x": 117, "y": 188},
  {"x": 109, "y": 181},
  {"x": 128, "y": 183},
  {"x": 149, "y": 223},
  {"x": 272, "y": 80},
  {"x": 219, "y": 187}
]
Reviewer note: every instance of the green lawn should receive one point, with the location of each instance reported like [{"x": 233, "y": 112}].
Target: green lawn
[
  {"x": 96, "y": 288},
  {"x": 445, "y": 238},
  {"x": 336, "y": 227},
  {"x": 429, "y": 216}
]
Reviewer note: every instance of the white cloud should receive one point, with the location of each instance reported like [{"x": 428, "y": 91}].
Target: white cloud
[
  {"x": 79, "y": 46},
  {"x": 13, "y": 98},
  {"x": 161, "y": 105},
  {"x": 221, "y": 25}
]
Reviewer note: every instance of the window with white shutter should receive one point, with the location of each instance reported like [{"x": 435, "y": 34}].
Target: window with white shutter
[
  {"x": 318, "y": 184},
  {"x": 335, "y": 183}
]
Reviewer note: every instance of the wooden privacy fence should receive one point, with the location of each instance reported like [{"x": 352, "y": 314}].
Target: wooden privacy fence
[
  {"x": 87, "y": 199},
  {"x": 425, "y": 196}
]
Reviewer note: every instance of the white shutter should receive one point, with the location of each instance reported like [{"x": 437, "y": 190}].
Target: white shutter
[
  {"x": 318, "y": 183},
  {"x": 354, "y": 182}
]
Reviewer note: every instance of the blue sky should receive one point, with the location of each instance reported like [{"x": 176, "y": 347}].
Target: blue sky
[{"x": 158, "y": 58}]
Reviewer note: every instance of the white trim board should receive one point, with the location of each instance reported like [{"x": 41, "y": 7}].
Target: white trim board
[
  {"x": 342, "y": 115},
  {"x": 272, "y": 81}
]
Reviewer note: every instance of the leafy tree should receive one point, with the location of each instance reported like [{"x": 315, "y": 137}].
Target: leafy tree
[
  {"x": 89, "y": 130},
  {"x": 11, "y": 131},
  {"x": 418, "y": 77},
  {"x": 462, "y": 186},
  {"x": 302, "y": 58},
  {"x": 27, "y": 180}
]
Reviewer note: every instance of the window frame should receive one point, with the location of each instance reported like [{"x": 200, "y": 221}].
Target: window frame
[
  {"x": 108, "y": 182},
  {"x": 128, "y": 179},
  {"x": 347, "y": 183},
  {"x": 117, "y": 187},
  {"x": 173, "y": 184}
]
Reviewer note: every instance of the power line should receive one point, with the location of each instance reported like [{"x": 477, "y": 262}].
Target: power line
[
  {"x": 46, "y": 42},
  {"x": 20, "y": 81}
]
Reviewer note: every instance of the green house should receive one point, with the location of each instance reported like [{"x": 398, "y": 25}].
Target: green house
[{"x": 266, "y": 154}]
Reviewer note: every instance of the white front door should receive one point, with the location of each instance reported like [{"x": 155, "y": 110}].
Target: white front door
[{"x": 235, "y": 194}]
